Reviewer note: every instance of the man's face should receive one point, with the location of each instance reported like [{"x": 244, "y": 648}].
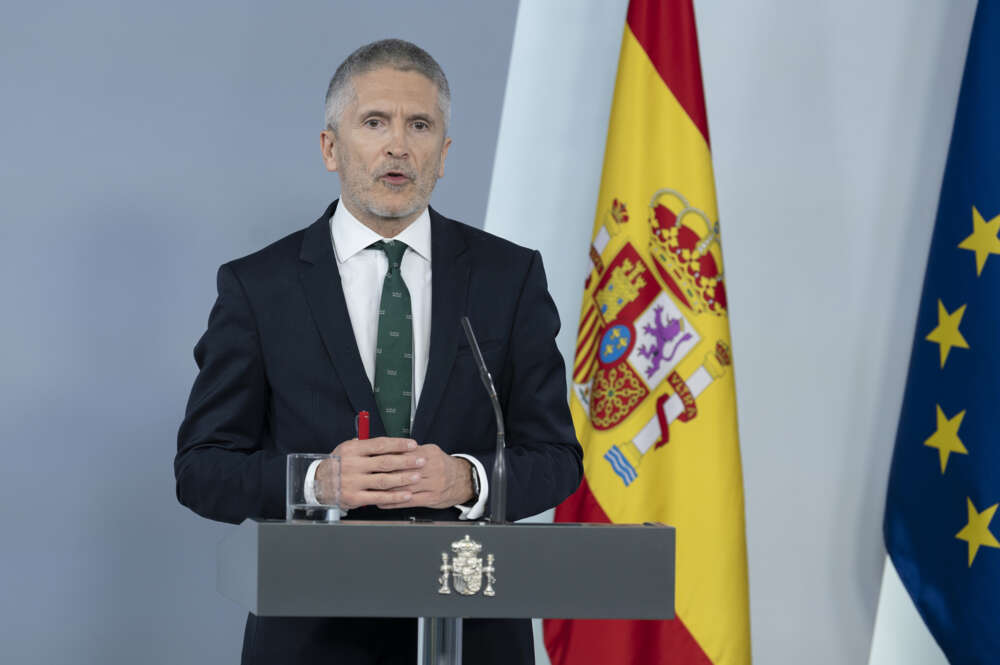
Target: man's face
[{"x": 389, "y": 147}]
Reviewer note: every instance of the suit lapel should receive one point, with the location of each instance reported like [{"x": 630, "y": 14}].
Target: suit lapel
[
  {"x": 449, "y": 290},
  {"x": 320, "y": 279}
]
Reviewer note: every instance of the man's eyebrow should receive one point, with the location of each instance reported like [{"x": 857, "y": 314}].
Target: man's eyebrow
[{"x": 374, "y": 113}]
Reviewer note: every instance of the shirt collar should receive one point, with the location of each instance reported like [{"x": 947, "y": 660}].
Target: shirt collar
[{"x": 350, "y": 236}]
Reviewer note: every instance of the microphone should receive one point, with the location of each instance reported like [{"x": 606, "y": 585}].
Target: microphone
[{"x": 498, "y": 478}]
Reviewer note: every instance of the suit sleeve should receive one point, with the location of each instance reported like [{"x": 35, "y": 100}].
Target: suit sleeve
[
  {"x": 226, "y": 469},
  {"x": 544, "y": 459}
]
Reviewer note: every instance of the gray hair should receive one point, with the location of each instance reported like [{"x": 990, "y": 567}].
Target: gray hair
[{"x": 394, "y": 53}]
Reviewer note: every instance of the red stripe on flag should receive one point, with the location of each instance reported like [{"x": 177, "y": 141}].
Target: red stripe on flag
[
  {"x": 589, "y": 321},
  {"x": 585, "y": 355},
  {"x": 581, "y": 506},
  {"x": 585, "y": 320},
  {"x": 666, "y": 31},
  {"x": 586, "y": 358},
  {"x": 594, "y": 642},
  {"x": 600, "y": 641}
]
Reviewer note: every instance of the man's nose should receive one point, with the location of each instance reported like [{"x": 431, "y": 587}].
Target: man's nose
[{"x": 397, "y": 146}]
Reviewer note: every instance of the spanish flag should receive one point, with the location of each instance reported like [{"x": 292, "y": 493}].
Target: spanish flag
[{"x": 653, "y": 397}]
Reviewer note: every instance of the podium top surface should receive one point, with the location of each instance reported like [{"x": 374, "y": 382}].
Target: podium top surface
[{"x": 394, "y": 569}]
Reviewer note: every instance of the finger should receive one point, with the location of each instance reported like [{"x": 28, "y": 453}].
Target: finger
[
  {"x": 389, "y": 463},
  {"x": 430, "y": 448},
  {"x": 377, "y": 446},
  {"x": 428, "y": 499},
  {"x": 389, "y": 481},
  {"x": 361, "y": 466},
  {"x": 420, "y": 486},
  {"x": 385, "y": 445},
  {"x": 416, "y": 500},
  {"x": 376, "y": 498},
  {"x": 394, "y": 506}
]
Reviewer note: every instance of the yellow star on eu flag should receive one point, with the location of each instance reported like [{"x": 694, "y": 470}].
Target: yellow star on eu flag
[
  {"x": 945, "y": 439},
  {"x": 977, "y": 532},
  {"x": 947, "y": 334},
  {"x": 983, "y": 240}
]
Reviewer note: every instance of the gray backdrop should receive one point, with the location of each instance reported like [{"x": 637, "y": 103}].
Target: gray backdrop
[{"x": 142, "y": 145}]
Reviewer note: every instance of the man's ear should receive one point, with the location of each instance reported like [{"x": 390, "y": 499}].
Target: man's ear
[
  {"x": 328, "y": 144},
  {"x": 444, "y": 155}
]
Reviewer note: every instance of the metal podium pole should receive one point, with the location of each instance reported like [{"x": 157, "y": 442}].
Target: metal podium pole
[{"x": 442, "y": 641}]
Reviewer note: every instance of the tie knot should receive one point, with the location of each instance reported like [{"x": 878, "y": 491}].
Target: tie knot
[{"x": 393, "y": 249}]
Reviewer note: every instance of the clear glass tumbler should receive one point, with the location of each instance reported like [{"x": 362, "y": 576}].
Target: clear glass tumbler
[{"x": 313, "y": 487}]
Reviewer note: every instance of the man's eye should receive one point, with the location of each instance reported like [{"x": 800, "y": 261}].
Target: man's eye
[
  {"x": 372, "y": 122},
  {"x": 421, "y": 126}
]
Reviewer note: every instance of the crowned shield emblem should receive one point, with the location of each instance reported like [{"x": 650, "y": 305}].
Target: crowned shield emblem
[
  {"x": 467, "y": 569},
  {"x": 653, "y": 326}
]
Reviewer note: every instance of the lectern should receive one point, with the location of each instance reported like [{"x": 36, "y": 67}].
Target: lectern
[{"x": 444, "y": 571}]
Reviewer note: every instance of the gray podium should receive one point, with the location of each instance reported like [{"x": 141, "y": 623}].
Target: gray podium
[{"x": 444, "y": 571}]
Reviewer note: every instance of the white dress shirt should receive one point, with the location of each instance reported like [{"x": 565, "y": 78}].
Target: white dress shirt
[{"x": 362, "y": 271}]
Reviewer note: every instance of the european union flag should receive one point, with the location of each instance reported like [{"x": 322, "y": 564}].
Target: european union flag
[{"x": 941, "y": 526}]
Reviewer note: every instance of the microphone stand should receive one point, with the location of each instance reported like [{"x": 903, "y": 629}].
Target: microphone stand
[
  {"x": 443, "y": 635},
  {"x": 498, "y": 478}
]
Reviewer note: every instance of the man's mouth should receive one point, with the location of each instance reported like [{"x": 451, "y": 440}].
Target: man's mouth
[{"x": 394, "y": 178}]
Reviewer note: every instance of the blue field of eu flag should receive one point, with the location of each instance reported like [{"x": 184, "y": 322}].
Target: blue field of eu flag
[{"x": 941, "y": 526}]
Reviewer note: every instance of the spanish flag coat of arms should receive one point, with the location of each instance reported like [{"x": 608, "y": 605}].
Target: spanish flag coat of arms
[{"x": 653, "y": 397}]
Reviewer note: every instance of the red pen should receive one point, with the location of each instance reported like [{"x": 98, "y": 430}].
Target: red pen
[{"x": 362, "y": 422}]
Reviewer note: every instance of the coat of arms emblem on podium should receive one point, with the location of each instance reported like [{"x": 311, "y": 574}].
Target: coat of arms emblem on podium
[{"x": 467, "y": 569}]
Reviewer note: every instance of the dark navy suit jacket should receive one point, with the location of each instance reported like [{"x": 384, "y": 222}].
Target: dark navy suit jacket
[{"x": 280, "y": 372}]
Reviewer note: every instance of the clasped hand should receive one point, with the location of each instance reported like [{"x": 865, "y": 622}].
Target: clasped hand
[{"x": 397, "y": 473}]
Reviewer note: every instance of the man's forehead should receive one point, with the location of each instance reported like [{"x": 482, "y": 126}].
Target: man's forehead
[
  {"x": 388, "y": 91},
  {"x": 387, "y": 80}
]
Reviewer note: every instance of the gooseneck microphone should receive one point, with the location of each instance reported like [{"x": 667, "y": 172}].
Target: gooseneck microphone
[{"x": 498, "y": 478}]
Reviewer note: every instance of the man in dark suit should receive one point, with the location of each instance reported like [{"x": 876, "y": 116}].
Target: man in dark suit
[{"x": 360, "y": 312}]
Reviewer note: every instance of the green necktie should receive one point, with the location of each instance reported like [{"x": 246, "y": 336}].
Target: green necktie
[{"x": 394, "y": 348}]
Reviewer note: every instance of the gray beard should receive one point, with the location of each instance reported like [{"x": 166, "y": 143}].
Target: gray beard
[
  {"x": 373, "y": 208},
  {"x": 385, "y": 213}
]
